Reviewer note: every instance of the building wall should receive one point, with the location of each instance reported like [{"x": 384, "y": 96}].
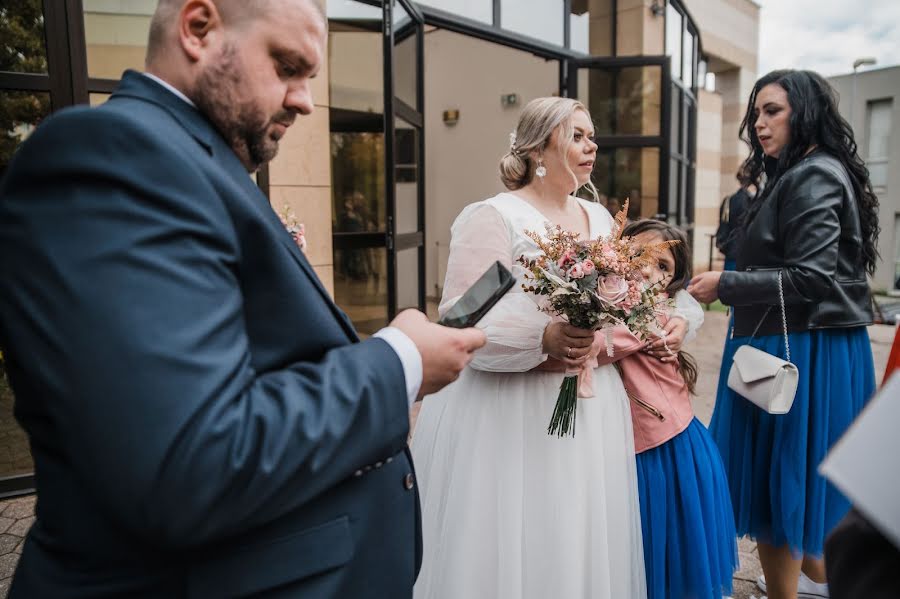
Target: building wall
[
  {"x": 470, "y": 75},
  {"x": 875, "y": 85},
  {"x": 729, "y": 32},
  {"x": 708, "y": 182}
]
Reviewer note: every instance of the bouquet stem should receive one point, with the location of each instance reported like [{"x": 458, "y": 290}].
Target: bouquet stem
[{"x": 563, "y": 421}]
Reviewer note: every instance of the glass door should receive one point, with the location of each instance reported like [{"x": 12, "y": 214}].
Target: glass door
[
  {"x": 405, "y": 146},
  {"x": 629, "y": 100}
]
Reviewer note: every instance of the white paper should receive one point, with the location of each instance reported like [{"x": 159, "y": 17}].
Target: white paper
[{"x": 863, "y": 464}]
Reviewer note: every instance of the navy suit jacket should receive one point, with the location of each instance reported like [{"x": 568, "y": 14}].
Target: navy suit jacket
[{"x": 203, "y": 418}]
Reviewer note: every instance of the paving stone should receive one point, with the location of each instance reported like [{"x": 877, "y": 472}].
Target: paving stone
[
  {"x": 19, "y": 547},
  {"x": 4, "y": 587},
  {"x": 8, "y": 543},
  {"x": 18, "y": 509},
  {"x": 21, "y": 528},
  {"x": 8, "y": 564},
  {"x": 5, "y": 523}
]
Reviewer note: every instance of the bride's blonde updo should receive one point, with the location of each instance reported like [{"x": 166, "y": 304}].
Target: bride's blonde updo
[{"x": 539, "y": 119}]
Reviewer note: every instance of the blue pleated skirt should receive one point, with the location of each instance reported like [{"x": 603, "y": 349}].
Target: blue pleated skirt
[
  {"x": 690, "y": 549},
  {"x": 772, "y": 460}
]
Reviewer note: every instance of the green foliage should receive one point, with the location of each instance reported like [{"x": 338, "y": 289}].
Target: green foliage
[{"x": 23, "y": 50}]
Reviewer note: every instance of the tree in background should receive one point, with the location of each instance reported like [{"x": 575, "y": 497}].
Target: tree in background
[{"x": 23, "y": 50}]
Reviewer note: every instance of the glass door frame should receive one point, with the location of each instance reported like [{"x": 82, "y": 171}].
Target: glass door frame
[
  {"x": 662, "y": 141},
  {"x": 395, "y": 107}
]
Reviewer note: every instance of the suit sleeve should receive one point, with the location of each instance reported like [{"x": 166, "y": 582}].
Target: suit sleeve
[
  {"x": 810, "y": 229},
  {"x": 125, "y": 283}
]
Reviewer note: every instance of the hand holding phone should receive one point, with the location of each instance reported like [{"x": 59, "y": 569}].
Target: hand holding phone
[{"x": 479, "y": 298}]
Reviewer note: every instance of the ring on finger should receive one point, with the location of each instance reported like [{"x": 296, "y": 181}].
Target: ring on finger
[{"x": 569, "y": 352}]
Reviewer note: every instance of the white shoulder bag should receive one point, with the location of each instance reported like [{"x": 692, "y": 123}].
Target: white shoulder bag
[{"x": 766, "y": 380}]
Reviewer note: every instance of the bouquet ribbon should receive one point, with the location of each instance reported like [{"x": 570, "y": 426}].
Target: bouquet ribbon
[{"x": 586, "y": 371}]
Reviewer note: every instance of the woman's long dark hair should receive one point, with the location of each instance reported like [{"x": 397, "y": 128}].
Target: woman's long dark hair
[
  {"x": 814, "y": 121},
  {"x": 681, "y": 252}
]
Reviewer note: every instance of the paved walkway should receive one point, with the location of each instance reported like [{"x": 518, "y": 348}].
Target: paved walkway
[{"x": 17, "y": 515}]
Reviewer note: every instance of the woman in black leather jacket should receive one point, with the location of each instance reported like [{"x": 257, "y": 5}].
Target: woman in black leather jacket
[{"x": 815, "y": 221}]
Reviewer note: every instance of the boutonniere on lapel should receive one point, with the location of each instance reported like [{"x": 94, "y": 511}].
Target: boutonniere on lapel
[{"x": 296, "y": 229}]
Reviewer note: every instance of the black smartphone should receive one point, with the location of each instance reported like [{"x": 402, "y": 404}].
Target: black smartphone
[{"x": 479, "y": 298}]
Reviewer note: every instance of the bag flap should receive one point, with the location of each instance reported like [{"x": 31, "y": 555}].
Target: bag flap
[{"x": 755, "y": 365}]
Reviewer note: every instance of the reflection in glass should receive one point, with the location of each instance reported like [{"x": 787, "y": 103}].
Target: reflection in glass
[
  {"x": 408, "y": 278},
  {"x": 675, "y": 115},
  {"x": 628, "y": 173},
  {"x": 673, "y": 39},
  {"x": 540, "y": 19},
  {"x": 357, "y": 167},
  {"x": 15, "y": 454},
  {"x": 116, "y": 36},
  {"x": 405, "y": 60},
  {"x": 20, "y": 113},
  {"x": 624, "y": 101},
  {"x": 360, "y": 286},
  {"x": 355, "y": 67},
  {"x": 406, "y": 176},
  {"x": 24, "y": 48}
]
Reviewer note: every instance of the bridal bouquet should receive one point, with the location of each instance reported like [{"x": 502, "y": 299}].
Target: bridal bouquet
[
  {"x": 296, "y": 229},
  {"x": 593, "y": 284}
]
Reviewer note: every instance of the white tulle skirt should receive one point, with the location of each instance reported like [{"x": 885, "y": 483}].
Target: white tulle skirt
[{"x": 510, "y": 512}]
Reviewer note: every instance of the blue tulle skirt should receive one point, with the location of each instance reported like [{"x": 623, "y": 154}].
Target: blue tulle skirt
[
  {"x": 690, "y": 550},
  {"x": 772, "y": 460}
]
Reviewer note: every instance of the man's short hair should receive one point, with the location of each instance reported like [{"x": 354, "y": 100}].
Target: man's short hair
[{"x": 232, "y": 12}]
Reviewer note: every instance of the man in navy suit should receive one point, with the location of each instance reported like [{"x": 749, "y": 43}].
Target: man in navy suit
[{"x": 204, "y": 420}]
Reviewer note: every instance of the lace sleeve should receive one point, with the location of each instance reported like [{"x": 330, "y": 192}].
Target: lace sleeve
[
  {"x": 514, "y": 326},
  {"x": 689, "y": 309}
]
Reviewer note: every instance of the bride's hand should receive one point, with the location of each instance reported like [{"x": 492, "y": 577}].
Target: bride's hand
[
  {"x": 667, "y": 347},
  {"x": 567, "y": 344}
]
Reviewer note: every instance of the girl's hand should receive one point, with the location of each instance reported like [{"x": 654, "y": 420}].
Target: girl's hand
[
  {"x": 705, "y": 286},
  {"x": 666, "y": 349},
  {"x": 567, "y": 344}
]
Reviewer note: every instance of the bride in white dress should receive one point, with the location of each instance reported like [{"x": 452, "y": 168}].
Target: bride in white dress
[{"x": 510, "y": 512}]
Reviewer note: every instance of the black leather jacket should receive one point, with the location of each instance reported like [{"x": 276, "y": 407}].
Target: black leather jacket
[{"x": 809, "y": 229}]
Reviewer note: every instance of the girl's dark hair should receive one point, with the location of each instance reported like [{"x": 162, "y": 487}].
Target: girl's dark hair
[
  {"x": 681, "y": 252},
  {"x": 814, "y": 121}
]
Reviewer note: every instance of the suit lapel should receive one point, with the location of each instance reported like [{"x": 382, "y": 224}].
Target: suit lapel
[{"x": 138, "y": 86}]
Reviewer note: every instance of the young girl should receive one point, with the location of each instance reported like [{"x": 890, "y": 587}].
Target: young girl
[{"x": 688, "y": 528}]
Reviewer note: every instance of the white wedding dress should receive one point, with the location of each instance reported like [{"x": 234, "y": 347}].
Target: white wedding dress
[{"x": 508, "y": 511}]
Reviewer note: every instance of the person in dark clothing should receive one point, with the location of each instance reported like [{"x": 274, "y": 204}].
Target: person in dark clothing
[
  {"x": 731, "y": 215},
  {"x": 860, "y": 561}
]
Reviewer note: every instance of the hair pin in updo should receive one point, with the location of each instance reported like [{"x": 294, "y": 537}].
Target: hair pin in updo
[{"x": 512, "y": 144}]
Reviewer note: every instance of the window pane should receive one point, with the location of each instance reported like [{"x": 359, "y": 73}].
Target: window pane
[
  {"x": 360, "y": 287},
  {"x": 355, "y": 65},
  {"x": 540, "y": 19},
  {"x": 675, "y": 114},
  {"x": 408, "y": 278},
  {"x": 879, "y": 128},
  {"x": 405, "y": 59},
  {"x": 673, "y": 39},
  {"x": 688, "y": 60},
  {"x": 579, "y": 27},
  {"x": 116, "y": 36},
  {"x": 624, "y": 101},
  {"x": 406, "y": 148},
  {"x": 22, "y": 30},
  {"x": 20, "y": 113},
  {"x": 350, "y": 9},
  {"x": 357, "y": 167},
  {"x": 878, "y": 174},
  {"x": 628, "y": 173},
  {"x": 479, "y": 10}
]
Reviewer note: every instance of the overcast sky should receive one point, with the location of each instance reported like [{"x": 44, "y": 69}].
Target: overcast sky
[{"x": 828, "y": 35}]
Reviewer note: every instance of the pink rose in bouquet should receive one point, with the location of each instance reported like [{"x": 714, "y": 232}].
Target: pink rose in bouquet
[{"x": 612, "y": 289}]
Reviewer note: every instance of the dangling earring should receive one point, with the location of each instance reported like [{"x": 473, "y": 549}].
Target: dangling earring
[{"x": 541, "y": 170}]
